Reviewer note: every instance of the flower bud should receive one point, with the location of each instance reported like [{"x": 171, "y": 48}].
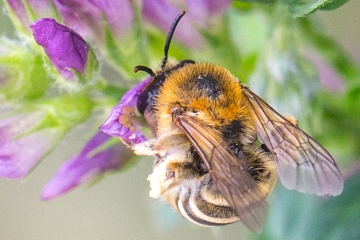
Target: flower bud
[
  {"x": 28, "y": 134},
  {"x": 66, "y": 49}
]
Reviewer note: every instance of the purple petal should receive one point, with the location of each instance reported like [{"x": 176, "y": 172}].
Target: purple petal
[
  {"x": 120, "y": 123},
  {"x": 65, "y": 48},
  {"x": 328, "y": 77},
  {"x": 20, "y": 11},
  {"x": 119, "y": 23},
  {"x": 41, "y": 8},
  {"x": 94, "y": 142},
  {"x": 88, "y": 165},
  {"x": 86, "y": 20},
  {"x": 161, "y": 14},
  {"x": 89, "y": 15},
  {"x": 23, "y": 144},
  {"x": 18, "y": 157},
  {"x": 202, "y": 11},
  {"x": 20, "y": 148}
]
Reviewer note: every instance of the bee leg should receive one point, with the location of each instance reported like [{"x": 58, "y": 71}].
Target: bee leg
[
  {"x": 170, "y": 172},
  {"x": 182, "y": 171},
  {"x": 145, "y": 148}
]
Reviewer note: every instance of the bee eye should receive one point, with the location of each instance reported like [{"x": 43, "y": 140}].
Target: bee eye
[
  {"x": 146, "y": 98},
  {"x": 143, "y": 101}
]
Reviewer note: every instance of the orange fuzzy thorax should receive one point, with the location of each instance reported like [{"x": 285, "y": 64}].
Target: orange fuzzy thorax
[{"x": 216, "y": 102}]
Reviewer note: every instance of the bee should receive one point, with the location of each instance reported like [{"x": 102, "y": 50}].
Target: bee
[{"x": 219, "y": 148}]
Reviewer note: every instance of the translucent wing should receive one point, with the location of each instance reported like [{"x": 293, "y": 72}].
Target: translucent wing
[
  {"x": 234, "y": 183},
  {"x": 303, "y": 164}
]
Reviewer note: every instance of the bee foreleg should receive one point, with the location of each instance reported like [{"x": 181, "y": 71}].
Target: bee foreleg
[
  {"x": 145, "y": 148},
  {"x": 182, "y": 170}
]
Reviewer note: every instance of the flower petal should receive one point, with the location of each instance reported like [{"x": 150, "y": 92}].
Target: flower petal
[
  {"x": 202, "y": 11},
  {"x": 21, "y": 148},
  {"x": 18, "y": 157},
  {"x": 65, "y": 48},
  {"x": 327, "y": 75},
  {"x": 41, "y": 8},
  {"x": 85, "y": 166},
  {"x": 161, "y": 14},
  {"x": 120, "y": 123},
  {"x": 86, "y": 20},
  {"x": 119, "y": 23},
  {"x": 20, "y": 11}
]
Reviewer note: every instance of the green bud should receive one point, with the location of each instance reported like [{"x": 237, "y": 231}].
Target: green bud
[
  {"x": 24, "y": 74},
  {"x": 66, "y": 111}
]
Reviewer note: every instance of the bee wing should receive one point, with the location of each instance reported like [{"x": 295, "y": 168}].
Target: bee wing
[
  {"x": 303, "y": 164},
  {"x": 234, "y": 183}
]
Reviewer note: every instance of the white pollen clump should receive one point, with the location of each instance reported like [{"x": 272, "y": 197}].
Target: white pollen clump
[{"x": 157, "y": 182}]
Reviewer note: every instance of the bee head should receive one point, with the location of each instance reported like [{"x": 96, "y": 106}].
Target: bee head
[{"x": 146, "y": 98}]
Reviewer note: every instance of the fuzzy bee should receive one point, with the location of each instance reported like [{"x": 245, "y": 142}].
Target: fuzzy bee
[{"x": 219, "y": 148}]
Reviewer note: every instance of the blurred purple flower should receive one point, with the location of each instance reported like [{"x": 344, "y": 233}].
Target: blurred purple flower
[
  {"x": 121, "y": 122},
  {"x": 66, "y": 49},
  {"x": 90, "y": 163},
  {"x": 119, "y": 23},
  {"x": 41, "y": 8},
  {"x": 21, "y": 147},
  {"x": 200, "y": 12},
  {"x": 88, "y": 19},
  {"x": 327, "y": 75},
  {"x": 89, "y": 15},
  {"x": 329, "y": 78},
  {"x": 161, "y": 14},
  {"x": 19, "y": 9}
]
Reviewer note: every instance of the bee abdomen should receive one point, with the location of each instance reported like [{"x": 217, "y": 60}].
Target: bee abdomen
[{"x": 205, "y": 208}]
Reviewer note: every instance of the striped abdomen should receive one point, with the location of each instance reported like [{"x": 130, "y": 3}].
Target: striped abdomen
[{"x": 201, "y": 203}]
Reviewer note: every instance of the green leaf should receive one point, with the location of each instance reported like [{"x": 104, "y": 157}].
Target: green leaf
[
  {"x": 66, "y": 110},
  {"x": 338, "y": 217},
  {"x": 128, "y": 51},
  {"x": 341, "y": 127},
  {"x": 334, "y": 4},
  {"x": 260, "y": 1},
  {"x": 24, "y": 75},
  {"x": 92, "y": 68},
  {"x": 300, "y": 8},
  {"x": 288, "y": 215}
]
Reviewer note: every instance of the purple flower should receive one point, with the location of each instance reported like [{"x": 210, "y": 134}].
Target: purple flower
[
  {"x": 121, "y": 122},
  {"x": 201, "y": 14},
  {"x": 41, "y": 8},
  {"x": 327, "y": 75},
  {"x": 89, "y": 15},
  {"x": 66, "y": 49},
  {"x": 90, "y": 163},
  {"x": 161, "y": 14},
  {"x": 19, "y": 10},
  {"x": 21, "y": 147},
  {"x": 119, "y": 24}
]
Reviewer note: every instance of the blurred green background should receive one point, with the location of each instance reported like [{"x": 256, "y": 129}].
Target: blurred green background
[{"x": 119, "y": 206}]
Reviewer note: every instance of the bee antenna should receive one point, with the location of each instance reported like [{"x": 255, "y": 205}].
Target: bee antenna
[
  {"x": 169, "y": 37},
  {"x": 144, "y": 69}
]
